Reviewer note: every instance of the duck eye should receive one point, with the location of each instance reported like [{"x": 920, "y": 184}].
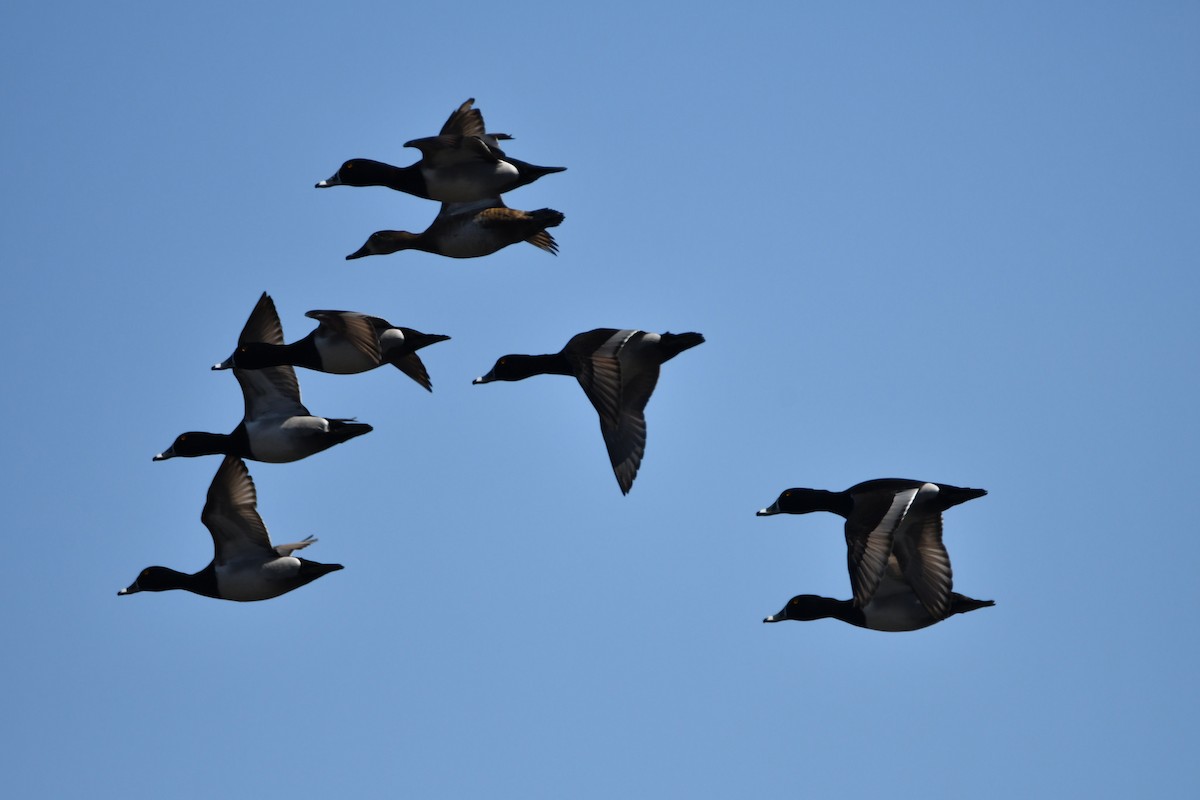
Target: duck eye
[
  {"x": 503, "y": 360},
  {"x": 787, "y": 494}
]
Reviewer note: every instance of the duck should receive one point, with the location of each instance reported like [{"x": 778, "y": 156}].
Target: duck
[
  {"x": 462, "y": 164},
  {"x": 618, "y": 370},
  {"x": 470, "y": 230},
  {"x": 894, "y": 607},
  {"x": 245, "y": 565},
  {"x": 276, "y": 427},
  {"x": 886, "y": 519},
  {"x": 343, "y": 343}
]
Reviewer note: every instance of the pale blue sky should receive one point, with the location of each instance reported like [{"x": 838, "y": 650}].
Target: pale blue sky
[{"x": 928, "y": 240}]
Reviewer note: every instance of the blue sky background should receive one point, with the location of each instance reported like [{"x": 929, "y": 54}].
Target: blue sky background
[{"x": 937, "y": 240}]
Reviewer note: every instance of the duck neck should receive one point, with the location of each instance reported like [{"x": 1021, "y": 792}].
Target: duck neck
[
  {"x": 522, "y": 367},
  {"x": 163, "y": 579},
  {"x": 805, "y": 501}
]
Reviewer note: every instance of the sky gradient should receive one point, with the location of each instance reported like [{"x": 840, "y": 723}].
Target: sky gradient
[{"x": 934, "y": 241}]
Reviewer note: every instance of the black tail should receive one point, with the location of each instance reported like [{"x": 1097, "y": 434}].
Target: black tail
[
  {"x": 961, "y": 604},
  {"x": 531, "y": 172},
  {"x": 547, "y": 217},
  {"x": 415, "y": 340},
  {"x": 949, "y": 496},
  {"x": 343, "y": 430},
  {"x": 672, "y": 344}
]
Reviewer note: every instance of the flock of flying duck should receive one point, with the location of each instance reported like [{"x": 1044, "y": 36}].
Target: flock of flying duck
[{"x": 900, "y": 571}]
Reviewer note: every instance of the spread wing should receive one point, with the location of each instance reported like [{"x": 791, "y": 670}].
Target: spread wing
[
  {"x": 287, "y": 549},
  {"x": 231, "y": 515},
  {"x": 452, "y": 149},
  {"x": 619, "y": 400},
  {"x": 924, "y": 560},
  {"x": 272, "y": 390},
  {"x": 263, "y": 324},
  {"x": 870, "y": 530},
  {"x": 357, "y": 329},
  {"x": 471, "y": 208}
]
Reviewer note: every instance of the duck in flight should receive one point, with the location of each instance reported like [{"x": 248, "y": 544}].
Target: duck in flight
[
  {"x": 245, "y": 565},
  {"x": 618, "y": 370},
  {"x": 275, "y": 427},
  {"x": 343, "y": 343},
  {"x": 462, "y": 164},
  {"x": 891, "y": 524}
]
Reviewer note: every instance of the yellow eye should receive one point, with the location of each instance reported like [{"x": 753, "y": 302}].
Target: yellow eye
[{"x": 787, "y": 494}]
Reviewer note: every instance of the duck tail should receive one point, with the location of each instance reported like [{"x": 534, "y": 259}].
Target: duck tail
[
  {"x": 949, "y": 496},
  {"x": 961, "y": 604},
  {"x": 343, "y": 430},
  {"x": 672, "y": 344},
  {"x": 416, "y": 340},
  {"x": 531, "y": 172},
  {"x": 547, "y": 218}
]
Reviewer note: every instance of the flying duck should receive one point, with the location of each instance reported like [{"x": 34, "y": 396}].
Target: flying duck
[
  {"x": 276, "y": 426},
  {"x": 618, "y": 370},
  {"x": 470, "y": 230},
  {"x": 245, "y": 565},
  {"x": 345, "y": 342},
  {"x": 889, "y": 519},
  {"x": 462, "y": 164},
  {"x": 893, "y": 607}
]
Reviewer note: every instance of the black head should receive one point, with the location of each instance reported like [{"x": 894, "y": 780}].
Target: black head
[
  {"x": 252, "y": 355},
  {"x": 807, "y": 607},
  {"x": 195, "y": 443},
  {"x": 514, "y": 368},
  {"x": 358, "y": 172},
  {"x": 798, "y": 501},
  {"x": 154, "y": 579}
]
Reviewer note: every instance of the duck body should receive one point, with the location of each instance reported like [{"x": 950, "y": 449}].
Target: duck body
[
  {"x": 343, "y": 343},
  {"x": 618, "y": 370},
  {"x": 470, "y": 230},
  {"x": 462, "y": 164},
  {"x": 894, "y": 607},
  {"x": 275, "y": 427},
  {"x": 889, "y": 519},
  {"x": 245, "y": 566}
]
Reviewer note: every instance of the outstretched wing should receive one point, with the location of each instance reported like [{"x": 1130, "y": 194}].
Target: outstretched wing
[{"x": 231, "y": 514}]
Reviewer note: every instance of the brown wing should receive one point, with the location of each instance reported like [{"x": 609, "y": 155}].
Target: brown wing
[
  {"x": 231, "y": 514},
  {"x": 358, "y": 329},
  {"x": 263, "y": 324},
  {"x": 870, "y": 530},
  {"x": 925, "y": 562},
  {"x": 270, "y": 390}
]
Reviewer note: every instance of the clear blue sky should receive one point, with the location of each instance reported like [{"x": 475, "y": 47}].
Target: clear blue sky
[{"x": 928, "y": 240}]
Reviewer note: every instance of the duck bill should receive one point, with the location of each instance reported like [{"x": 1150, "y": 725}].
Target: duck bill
[
  {"x": 485, "y": 379},
  {"x": 359, "y": 253},
  {"x": 767, "y": 512},
  {"x": 226, "y": 364},
  {"x": 325, "y": 184}
]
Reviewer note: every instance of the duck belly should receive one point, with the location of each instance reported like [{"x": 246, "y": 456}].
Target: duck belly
[
  {"x": 278, "y": 441},
  {"x": 471, "y": 182},
  {"x": 245, "y": 582},
  {"x": 340, "y": 357}
]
